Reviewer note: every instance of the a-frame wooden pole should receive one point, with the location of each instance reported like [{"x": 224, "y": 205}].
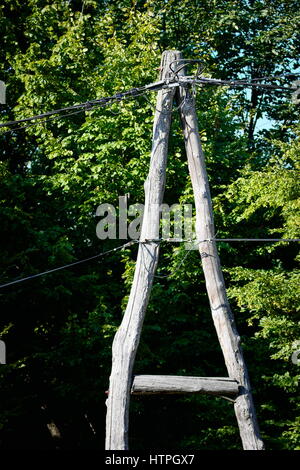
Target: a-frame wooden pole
[
  {"x": 215, "y": 285},
  {"x": 127, "y": 337}
]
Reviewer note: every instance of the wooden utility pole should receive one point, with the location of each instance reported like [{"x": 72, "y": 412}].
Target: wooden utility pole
[
  {"x": 125, "y": 344},
  {"x": 128, "y": 335}
]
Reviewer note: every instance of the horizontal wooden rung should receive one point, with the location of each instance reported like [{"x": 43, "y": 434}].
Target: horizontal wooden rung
[{"x": 155, "y": 384}]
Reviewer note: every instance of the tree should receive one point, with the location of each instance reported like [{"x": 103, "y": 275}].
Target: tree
[
  {"x": 58, "y": 328},
  {"x": 267, "y": 288}
]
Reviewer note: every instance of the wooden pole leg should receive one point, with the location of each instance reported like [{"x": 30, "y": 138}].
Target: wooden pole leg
[
  {"x": 127, "y": 337},
  {"x": 215, "y": 285}
]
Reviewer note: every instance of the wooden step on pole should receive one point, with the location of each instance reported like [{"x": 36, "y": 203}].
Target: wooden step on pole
[
  {"x": 176, "y": 384},
  {"x": 215, "y": 285},
  {"x": 127, "y": 337}
]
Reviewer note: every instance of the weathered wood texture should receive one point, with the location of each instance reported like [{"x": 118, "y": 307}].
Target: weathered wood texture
[
  {"x": 215, "y": 285},
  {"x": 169, "y": 384},
  {"x": 127, "y": 337}
]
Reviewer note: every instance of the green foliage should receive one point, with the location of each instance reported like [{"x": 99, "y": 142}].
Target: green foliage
[
  {"x": 59, "y": 328},
  {"x": 270, "y": 297}
]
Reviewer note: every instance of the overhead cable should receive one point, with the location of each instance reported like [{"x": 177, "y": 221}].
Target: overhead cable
[
  {"x": 134, "y": 92},
  {"x": 89, "y": 104},
  {"x": 99, "y": 255},
  {"x": 146, "y": 241}
]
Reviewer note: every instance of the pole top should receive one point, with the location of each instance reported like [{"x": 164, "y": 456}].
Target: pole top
[{"x": 167, "y": 58}]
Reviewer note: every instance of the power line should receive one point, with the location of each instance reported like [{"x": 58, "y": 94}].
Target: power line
[
  {"x": 152, "y": 240},
  {"x": 100, "y": 255},
  {"x": 251, "y": 240},
  {"x": 90, "y": 104},
  {"x": 277, "y": 77},
  {"x": 60, "y": 116},
  {"x": 134, "y": 92},
  {"x": 182, "y": 63},
  {"x": 42, "y": 121},
  {"x": 197, "y": 242},
  {"x": 201, "y": 67},
  {"x": 190, "y": 240},
  {"x": 238, "y": 84}
]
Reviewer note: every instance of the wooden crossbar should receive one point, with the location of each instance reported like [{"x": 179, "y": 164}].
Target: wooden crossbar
[{"x": 175, "y": 384}]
